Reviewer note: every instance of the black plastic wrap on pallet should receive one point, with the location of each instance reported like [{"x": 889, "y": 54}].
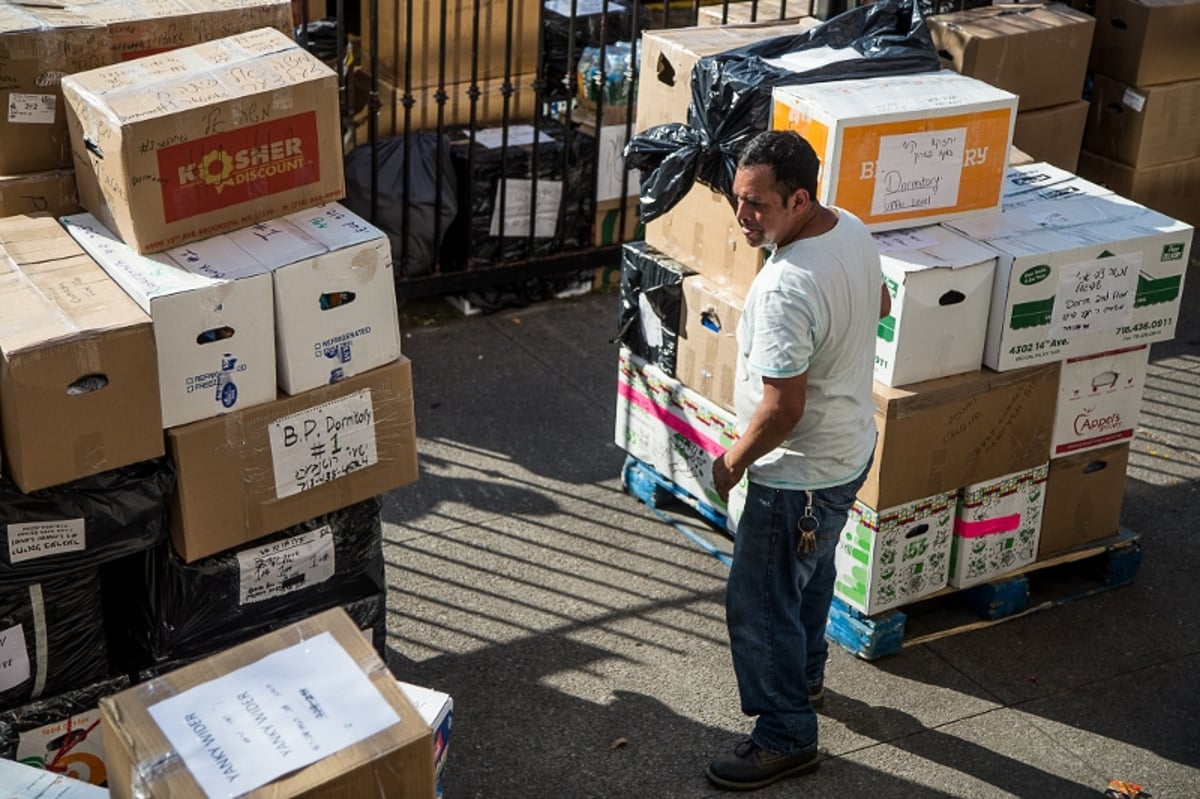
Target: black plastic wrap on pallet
[
  {"x": 171, "y": 609},
  {"x": 121, "y": 512},
  {"x": 480, "y": 170},
  {"x": 369, "y": 613},
  {"x": 731, "y": 96},
  {"x": 57, "y": 728},
  {"x": 566, "y": 36},
  {"x": 52, "y": 637},
  {"x": 651, "y": 286}
]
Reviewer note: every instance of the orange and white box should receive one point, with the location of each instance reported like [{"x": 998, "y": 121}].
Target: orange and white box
[{"x": 898, "y": 151}]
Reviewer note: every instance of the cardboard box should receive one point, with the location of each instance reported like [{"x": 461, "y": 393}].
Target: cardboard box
[
  {"x": 1037, "y": 51},
  {"x": 608, "y": 228},
  {"x": 1144, "y": 125},
  {"x": 943, "y": 434},
  {"x": 887, "y": 558},
  {"x": 1053, "y": 134},
  {"x": 762, "y": 12},
  {"x": 1017, "y": 157},
  {"x": 335, "y": 294},
  {"x": 941, "y": 285},
  {"x": 675, "y": 430},
  {"x": 79, "y": 374},
  {"x": 707, "y": 358},
  {"x": 1099, "y": 397},
  {"x": 1080, "y": 276},
  {"x": 214, "y": 336},
  {"x": 1143, "y": 42},
  {"x": 141, "y": 28},
  {"x": 453, "y": 41},
  {"x": 996, "y": 526},
  {"x": 275, "y": 465},
  {"x": 255, "y": 709},
  {"x": 899, "y": 151},
  {"x": 1038, "y": 182},
  {"x": 205, "y": 139},
  {"x": 1172, "y": 189},
  {"x": 1084, "y": 493},
  {"x": 437, "y": 709},
  {"x": 51, "y": 192}
]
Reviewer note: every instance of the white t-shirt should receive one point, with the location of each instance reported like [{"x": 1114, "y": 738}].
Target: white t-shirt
[{"x": 814, "y": 308}]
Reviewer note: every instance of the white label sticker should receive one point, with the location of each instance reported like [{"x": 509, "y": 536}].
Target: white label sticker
[
  {"x": 1095, "y": 296},
  {"x": 321, "y": 444},
  {"x": 285, "y": 566},
  {"x": 31, "y": 109},
  {"x": 517, "y": 193},
  {"x": 279, "y": 714},
  {"x": 611, "y": 169},
  {"x": 72, "y": 746},
  {"x": 1134, "y": 100},
  {"x": 652, "y": 329},
  {"x": 14, "y": 658},
  {"x": 918, "y": 170},
  {"x": 30, "y": 540},
  {"x": 902, "y": 240}
]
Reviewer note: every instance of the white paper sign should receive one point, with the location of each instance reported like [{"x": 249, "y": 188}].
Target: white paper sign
[
  {"x": 31, "y": 109},
  {"x": 1134, "y": 100},
  {"x": 320, "y": 444},
  {"x": 813, "y": 58},
  {"x": 583, "y": 8},
  {"x": 30, "y": 540},
  {"x": 1095, "y": 296},
  {"x": 284, "y": 712},
  {"x": 285, "y": 566},
  {"x": 518, "y": 136},
  {"x": 901, "y": 240},
  {"x": 918, "y": 170},
  {"x": 611, "y": 169},
  {"x": 14, "y": 659},
  {"x": 517, "y": 206},
  {"x": 652, "y": 329}
]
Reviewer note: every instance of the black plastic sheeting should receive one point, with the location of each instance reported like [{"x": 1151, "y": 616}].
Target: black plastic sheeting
[
  {"x": 62, "y": 622},
  {"x": 480, "y": 171},
  {"x": 651, "y": 283},
  {"x": 731, "y": 96},
  {"x": 174, "y": 610},
  {"x": 58, "y": 755},
  {"x": 124, "y": 511},
  {"x": 430, "y": 199}
]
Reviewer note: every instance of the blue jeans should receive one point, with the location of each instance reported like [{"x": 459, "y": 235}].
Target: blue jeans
[{"x": 776, "y": 605}]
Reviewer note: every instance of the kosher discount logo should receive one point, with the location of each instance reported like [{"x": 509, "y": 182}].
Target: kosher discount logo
[{"x": 226, "y": 169}]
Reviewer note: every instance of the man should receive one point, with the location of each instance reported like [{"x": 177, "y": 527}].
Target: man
[{"x": 806, "y": 350}]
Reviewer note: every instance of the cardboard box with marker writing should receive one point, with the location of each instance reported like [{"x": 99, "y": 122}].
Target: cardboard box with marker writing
[
  {"x": 309, "y": 711},
  {"x": 259, "y": 470},
  {"x": 51, "y": 192},
  {"x": 205, "y": 139}
]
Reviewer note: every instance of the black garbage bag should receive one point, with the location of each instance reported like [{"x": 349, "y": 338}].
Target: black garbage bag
[
  {"x": 416, "y": 215},
  {"x": 731, "y": 96}
]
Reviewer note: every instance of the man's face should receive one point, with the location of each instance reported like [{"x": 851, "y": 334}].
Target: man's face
[{"x": 763, "y": 214}]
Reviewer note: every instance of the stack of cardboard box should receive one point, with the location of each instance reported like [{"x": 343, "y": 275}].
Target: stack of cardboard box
[{"x": 1140, "y": 139}]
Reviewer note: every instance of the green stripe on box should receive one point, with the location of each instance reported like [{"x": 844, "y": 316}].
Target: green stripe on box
[
  {"x": 1032, "y": 314},
  {"x": 887, "y": 329},
  {"x": 1156, "y": 292}
]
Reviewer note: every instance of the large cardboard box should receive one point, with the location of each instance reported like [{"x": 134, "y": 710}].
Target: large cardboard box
[
  {"x": 1084, "y": 493},
  {"x": 428, "y": 44},
  {"x": 335, "y": 294},
  {"x": 141, "y": 28},
  {"x": 1143, "y": 42},
  {"x": 78, "y": 370},
  {"x": 213, "y": 330},
  {"x": 890, "y": 557},
  {"x": 899, "y": 151},
  {"x": 1144, "y": 125},
  {"x": 259, "y": 470},
  {"x": 309, "y": 710},
  {"x": 1099, "y": 397},
  {"x": 675, "y": 430},
  {"x": 205, "y": 139},
  {"x": 996, "y": 526},
  {"x": 941, "y": 285},
  {"x": 607, "y": 228},
  {"x": 1054, "y": 134},
  {"x": 943, "y": 434},
  {"x": 1172, "y": 189},
  {"x": 1080, "y": 276},
  {"x": 1037, "y": 51},
  {"x": 51, "y": 192},
  {"x": 707, "y": 357},
  {"x": 38, "y": 45}
]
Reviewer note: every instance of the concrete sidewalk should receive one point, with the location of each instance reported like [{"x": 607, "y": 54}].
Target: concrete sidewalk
[{"x": 583, "y": 640}]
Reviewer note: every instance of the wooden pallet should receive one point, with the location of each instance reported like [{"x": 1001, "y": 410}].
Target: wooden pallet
[
  {"x": 658, "y": 493},
  {"x": 1057, "y": 580}
]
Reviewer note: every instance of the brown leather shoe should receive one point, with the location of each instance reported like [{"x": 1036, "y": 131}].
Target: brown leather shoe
[{"x": 749, "y": 766}]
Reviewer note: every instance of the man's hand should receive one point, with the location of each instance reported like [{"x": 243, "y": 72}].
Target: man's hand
[{"x": 725, "y": 478}]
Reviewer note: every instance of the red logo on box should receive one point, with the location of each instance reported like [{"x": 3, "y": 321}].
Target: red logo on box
[{"x": 246, "y": 164}]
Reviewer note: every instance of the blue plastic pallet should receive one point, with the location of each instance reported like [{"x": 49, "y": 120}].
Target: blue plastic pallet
[
  {"x": 656, "y": 492},
  {"x": 1113, "y": 563}
]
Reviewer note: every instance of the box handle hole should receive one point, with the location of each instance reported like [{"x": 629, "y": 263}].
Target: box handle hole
[
  {"x": 920, "y": 529},
  {"x": 336, "y": 299},
  {"x": 215, "y": 334},
  {"x": 87, "y": 384},
  {"x": 951, "y": 297}
]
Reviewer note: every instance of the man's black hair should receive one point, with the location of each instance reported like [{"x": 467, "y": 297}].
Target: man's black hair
[{"x": 792, "y": 160}]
